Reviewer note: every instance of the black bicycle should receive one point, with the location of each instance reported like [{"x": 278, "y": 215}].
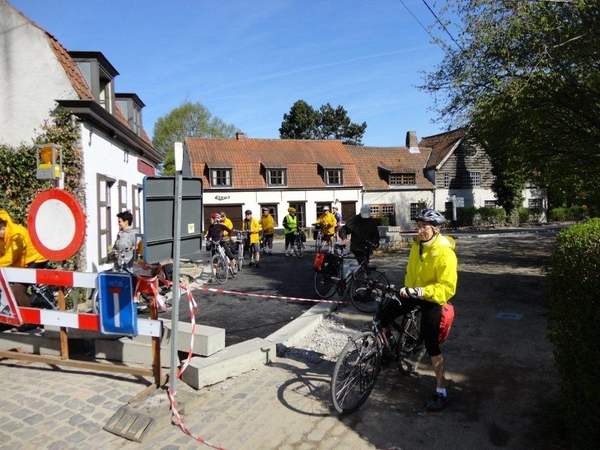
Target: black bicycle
[
  {"x": 299, "y": 240},
  {"x": 360, "y": 361},
  {"x": 365, "y": 284}
]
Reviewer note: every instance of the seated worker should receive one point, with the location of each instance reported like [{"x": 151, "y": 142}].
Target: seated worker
[
  {"x": 127, "y": 239},
  {"x": 216, "y": 233},
  {"x": 17, "y": 250},
  {"x": 328, "y": 223}
]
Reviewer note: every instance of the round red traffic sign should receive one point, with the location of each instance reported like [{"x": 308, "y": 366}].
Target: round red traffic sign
[{"x": 56, "y": 224}]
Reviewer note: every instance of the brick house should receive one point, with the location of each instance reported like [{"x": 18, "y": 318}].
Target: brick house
[{"x": 242, "y": 173}]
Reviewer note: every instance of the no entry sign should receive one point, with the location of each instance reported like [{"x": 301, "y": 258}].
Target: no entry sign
[{"x": 56, "y": 224}]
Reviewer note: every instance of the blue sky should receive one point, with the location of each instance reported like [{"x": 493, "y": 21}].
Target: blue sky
[{"x": 249, "y": 61}]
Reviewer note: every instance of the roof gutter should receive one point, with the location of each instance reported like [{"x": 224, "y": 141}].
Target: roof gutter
[{"x": 95, "y": 114}]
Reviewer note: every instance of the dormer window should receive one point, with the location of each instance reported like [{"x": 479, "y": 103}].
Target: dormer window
[
  {"x": 276, "y": 177},
  {"x": 402, "y": 179},
  {"x": 333, "y": 177},
  {"x": 99, "y": 74},
  {"x": 220, "y": 178},
  {"x": 131, "y": 105}
]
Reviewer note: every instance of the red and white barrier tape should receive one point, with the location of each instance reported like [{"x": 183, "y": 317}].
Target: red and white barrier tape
[{"x": 276, "y": 297}]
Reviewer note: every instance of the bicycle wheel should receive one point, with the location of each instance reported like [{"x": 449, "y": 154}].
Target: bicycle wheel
[
  {"x": 410, "y": 347},
  {"x": 356, "y": 372},
  {"x": 219, "y": 269},
  {"x": 324, "y": 282},
  {"x": 298, "y": 248},
  {"x": 367, "y": 290}
]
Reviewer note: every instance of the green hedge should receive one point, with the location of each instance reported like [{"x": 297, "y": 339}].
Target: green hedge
[
  {"x": 574, "y": 321},
  {"x": 572, "y": 213}
]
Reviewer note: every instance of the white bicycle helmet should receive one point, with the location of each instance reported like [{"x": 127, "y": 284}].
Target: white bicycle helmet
[{"x": 430, "y": 216}]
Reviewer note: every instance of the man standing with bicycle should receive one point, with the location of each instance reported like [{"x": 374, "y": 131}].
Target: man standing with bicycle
[
  {"x": 290, "y": 226},
  {"x": 430, "y": 282},
  {"x": 251, "y": 225},
  {"x": 268, "y": 226},
  {"x": 328, "y": 223},
  {"x": 362, "y": 227}
]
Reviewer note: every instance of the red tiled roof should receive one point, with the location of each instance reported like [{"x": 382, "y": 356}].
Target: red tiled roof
[
  {"x": 374, "y": 164},
  {"x": 71, "y": 69},
  {"x": 304, "y": 160},
  {"x": 442, "y": 145}
]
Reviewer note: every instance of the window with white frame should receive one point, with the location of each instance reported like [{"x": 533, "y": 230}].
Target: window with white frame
[
  {"x": 220, "y": 178},
  {"x": 446, "y": 180},
  {"x": 535, "y": 203},
  {"x": 414, "y": 210},
  {"x": 402, "y": 179},
  {"x": 490, "y": 203},
  {"x": 276, "y": 177},
  {"x": 136, "y": 211},
  {"x": 333, "y": 177},
  {"x": 104, "y": 186},
  {"x": 472, "y": 179}
]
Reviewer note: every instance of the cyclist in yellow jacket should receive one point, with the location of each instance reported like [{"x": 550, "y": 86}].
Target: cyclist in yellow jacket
[
  {"x": 328, "y": 223},
  {"x": 251, "y": 225},
  {"x": 17, "y": 250},
  {"x": 430, "y": 282},
  {"x": 268, "y": 228},
  {"x": 290, "y": 226}
]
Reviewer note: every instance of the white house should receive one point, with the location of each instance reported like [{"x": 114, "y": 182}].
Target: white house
[{"x": 37, "y": 74}]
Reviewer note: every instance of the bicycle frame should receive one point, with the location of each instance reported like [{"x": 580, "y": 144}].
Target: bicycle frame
[{"x": 360, "y": 361}]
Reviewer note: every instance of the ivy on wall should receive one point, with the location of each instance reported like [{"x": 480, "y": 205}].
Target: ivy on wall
[{"x": 18, "y": 182}]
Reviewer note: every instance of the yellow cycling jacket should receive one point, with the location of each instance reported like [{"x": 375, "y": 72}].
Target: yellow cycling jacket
[
  {"x": 328, "y": 222},
  {"x": 267, "y": 223},
  {"x": 253, "y": 228},
  {"x": 17, "y": 250},
  {"x": 434, "y": 268}
]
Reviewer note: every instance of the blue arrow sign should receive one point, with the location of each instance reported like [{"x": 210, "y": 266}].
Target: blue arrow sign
[{"x": 118, "y": 312}]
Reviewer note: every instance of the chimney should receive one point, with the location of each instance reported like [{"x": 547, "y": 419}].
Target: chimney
[
  {"x": 411, "y": 142},
  {"x": 240, "y": 136}
]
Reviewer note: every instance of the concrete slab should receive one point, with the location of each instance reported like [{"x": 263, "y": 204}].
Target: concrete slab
[
  {"x": 229, "y": 362},
  {"x": 128, "y": 350},
  {"x": 31, "y": 341}
]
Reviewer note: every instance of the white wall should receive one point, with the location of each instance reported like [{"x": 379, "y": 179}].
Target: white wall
[
  {"x": 402, "y": 200},
  {"x": 31, "y": 78},
  {"x": 101, "y": 156},
  {"x": 252, "y": 200}
]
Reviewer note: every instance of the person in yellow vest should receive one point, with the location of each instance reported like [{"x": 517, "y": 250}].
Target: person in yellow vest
[
  {"x": 251, "y": 225},
  {"x": 290, "y": 226},
  {"x": 328, "y": 223},
  {"x": 268, "y": 226},
  {"x": 17, "y": 250}
]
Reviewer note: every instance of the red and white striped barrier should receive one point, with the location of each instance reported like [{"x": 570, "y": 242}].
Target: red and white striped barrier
[
  {"x": 82, "y": 321},
  {"x": 146, "y": 327},
  {"x": 51, "y": 277}
]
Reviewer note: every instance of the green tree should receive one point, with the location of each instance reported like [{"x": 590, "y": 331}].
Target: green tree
[
  {"x": 304, "y": 122},
  {"x": 188, "y": 120},
  {"x": 525, "y": 76}
]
